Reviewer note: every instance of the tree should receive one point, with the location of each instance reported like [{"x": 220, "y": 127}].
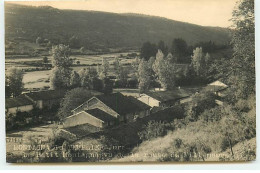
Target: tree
[
  {"x": 45, "y": 60},
  {"x": 179, "y": 49},
  {"x": 61, "y": 56},
  {"x": 148, "y": 50},
  {"x": 165, "y": 71},
  {"x": 39, "y": 40},
  {"x": 60, "y": 78},
  {"x": 153, "y": 129},
  {"x": 200, "y": 63},
  {"x": 74, "y": 80},
  {"x": 89, "y": 79},
  {"x": 15, "y": 81},
  {"x": 116, "y": 64},
  {"x": 104, "y": 68},
  {"x": 107, "y": 86},
  {"x": 243, "y": 40},
  {"x": 72, "y": 99},
  {"x": 144, "y": 75},
  {"x": 121, "y": 73},
  {"x": 7, "y": 87},
  {"x": 171, "y": 58},
  {"x": 200, "y": 102},
  {"x": 162, "y": 47},
  {"x": 61, "y": 61},
  {"x": 135, "y": 65}
]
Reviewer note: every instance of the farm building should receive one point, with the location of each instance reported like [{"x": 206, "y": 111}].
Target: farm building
[
  {"x": 20, "y": 103},
  {"x": 165, "y": 98},
  {"x": 95, "y": 117},
  {"x": 122, "y": 108},
  {"x": 217, "y": 87},
  {"x": 46, "y": 99}
]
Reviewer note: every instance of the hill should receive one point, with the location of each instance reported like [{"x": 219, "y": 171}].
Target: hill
[{"x": 100, "y": 30}]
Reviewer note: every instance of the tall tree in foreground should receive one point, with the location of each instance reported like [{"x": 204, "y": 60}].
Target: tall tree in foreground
[
  {"x": 15, "y": 81},
  {"x": 243, "y": 40},
  {"x": 104, "y": 68},
  {"x": 61, "y": 61},
  {"x": 144, "y": 74},
  {"x": 165, "y": 70},
  {"x": 200, "y": 63}
]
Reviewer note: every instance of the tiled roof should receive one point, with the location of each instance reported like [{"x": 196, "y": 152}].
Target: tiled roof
[
  {"x": 18, "y": 101},
  {"x": 98, "y": 113},
  {"x": 46, "y": 95},
  {"x": 121, "y": 104},
  {"x": 164, "y": 96}
]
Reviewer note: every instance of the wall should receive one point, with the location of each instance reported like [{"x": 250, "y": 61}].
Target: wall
[
  {"x": 149, "y": 100},
  {"x": 185, "y": 100},
  {"x": 25, "y": 108},
  {"x": 82, "y": 118}
]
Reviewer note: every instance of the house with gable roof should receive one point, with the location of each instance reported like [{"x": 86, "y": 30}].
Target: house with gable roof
[{"x": 109, "y": 109}]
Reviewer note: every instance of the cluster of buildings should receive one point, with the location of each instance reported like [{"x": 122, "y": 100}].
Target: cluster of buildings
[{"x": 106, "y": 110}]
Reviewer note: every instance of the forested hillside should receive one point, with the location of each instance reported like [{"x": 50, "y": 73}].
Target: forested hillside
[{"x": 101, "y": 30}]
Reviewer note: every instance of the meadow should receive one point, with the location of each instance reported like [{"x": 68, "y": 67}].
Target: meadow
[{"x": 40, "y": 79}]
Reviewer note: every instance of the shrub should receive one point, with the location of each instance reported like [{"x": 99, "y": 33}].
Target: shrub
[{"x": 153, "y": 129}]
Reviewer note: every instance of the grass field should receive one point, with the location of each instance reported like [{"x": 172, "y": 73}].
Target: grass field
[
  {"x": 39, "y": 79},
  {"x": 14, "y": 139}
]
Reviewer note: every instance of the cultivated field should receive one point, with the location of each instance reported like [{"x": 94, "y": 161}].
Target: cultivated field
[{"x": 40, "y": 79}]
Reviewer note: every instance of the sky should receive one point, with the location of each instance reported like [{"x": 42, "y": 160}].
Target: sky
[{"x": 201, "y": 12}]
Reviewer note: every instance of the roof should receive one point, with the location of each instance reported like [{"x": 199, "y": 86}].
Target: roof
[
  {"x": 46, "y": 95},
  {"x": 122, "y": 104},
  {"x": 218, "y": 83},
  {"x": 98, "y": 113},
  {"x": 215, "y": 88},
  {"x": 164, "y": 96},
  {"x": 138, "y": 103},
  {"x": 17, "y": 101}
]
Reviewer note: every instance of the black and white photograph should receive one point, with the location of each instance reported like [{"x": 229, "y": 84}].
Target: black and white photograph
[{"x": 130, "y": 81}]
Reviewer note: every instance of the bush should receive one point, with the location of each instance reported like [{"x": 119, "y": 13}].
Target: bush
[
  {"x": 154, "y": 129},
  {"x": 200, "y": 102}
]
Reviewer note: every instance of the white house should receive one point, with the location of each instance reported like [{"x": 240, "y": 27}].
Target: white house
[
  {"x": 20, "y": 103},
  {"x": 108, "y": 109},
  {"x": 217, "y": 87},
  {"x": 95, "y": 117},
  {"x": 164, "y": 98}
]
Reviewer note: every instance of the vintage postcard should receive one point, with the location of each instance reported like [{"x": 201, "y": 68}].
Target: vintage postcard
[{"x": 130, "y": 81}]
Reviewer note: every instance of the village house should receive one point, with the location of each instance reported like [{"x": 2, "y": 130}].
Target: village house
[
  {"x": 113, "y": 109},
  {"x": 95, "y": 117},
  {"x": 218, "y": 88},
  {"x": 165, "y": 98},
  {"x": 46, "y": 99},
  {"x": 20, "y": 103}
]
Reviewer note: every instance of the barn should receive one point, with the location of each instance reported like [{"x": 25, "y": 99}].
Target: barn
[
  {"x": 95, "y": 117},
  {"x": 122, "y": 108},
  {"x": 164, "y": 98}
]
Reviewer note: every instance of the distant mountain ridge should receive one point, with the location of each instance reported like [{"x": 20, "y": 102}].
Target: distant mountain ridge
[{"x": 102, "y": 29}]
